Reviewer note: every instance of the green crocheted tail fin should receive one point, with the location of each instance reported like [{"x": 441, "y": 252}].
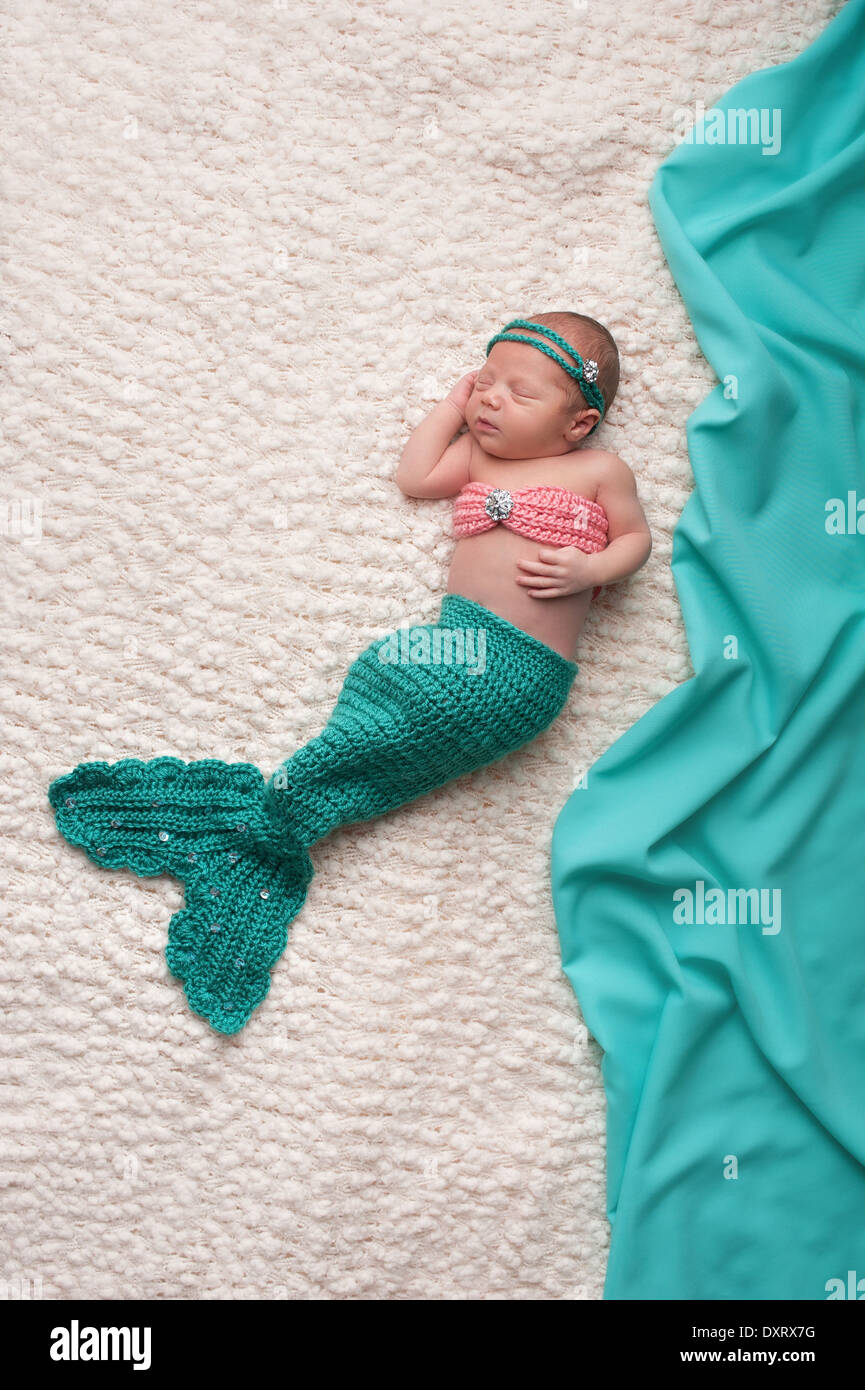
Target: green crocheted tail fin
[{"x": 207, "y": 824}]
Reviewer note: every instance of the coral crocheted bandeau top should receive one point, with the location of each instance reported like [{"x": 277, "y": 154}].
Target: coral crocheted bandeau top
[{"x": 549, "y": 514}]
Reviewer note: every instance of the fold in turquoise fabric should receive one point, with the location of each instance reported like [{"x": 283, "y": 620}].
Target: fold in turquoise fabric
[{"x": 709, "y": 879}]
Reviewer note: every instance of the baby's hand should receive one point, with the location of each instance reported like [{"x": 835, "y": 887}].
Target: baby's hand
[
  {"x": 557, "y": 571},
  {"x": 459, "y": 396}
]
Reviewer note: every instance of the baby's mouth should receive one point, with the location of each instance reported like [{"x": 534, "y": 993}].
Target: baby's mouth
[{"x": 483, "y": 423}]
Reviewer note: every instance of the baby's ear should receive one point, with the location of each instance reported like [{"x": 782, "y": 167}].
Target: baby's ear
[{"x": 585, "y": 423}]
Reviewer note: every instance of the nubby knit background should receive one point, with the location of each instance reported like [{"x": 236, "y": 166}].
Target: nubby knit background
[{"x": 247, "y": 247}]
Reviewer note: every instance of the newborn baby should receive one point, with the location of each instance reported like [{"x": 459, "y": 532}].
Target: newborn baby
[
  {"x": 525, "y": 417},
  {"x": 416, "y": 708}
]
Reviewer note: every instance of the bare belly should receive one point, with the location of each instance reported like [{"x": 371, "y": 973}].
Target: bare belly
[{"x": 484, "y": 568}]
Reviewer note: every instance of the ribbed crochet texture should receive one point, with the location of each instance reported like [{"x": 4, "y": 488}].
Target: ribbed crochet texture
[
  {"x": 552, "y": 515},
  {"x": 407, "y": 720}
]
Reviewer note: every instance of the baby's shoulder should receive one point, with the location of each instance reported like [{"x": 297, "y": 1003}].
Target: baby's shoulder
[
  {"x": 601, "y": 469},
  {"x": 610, "y": 465}
]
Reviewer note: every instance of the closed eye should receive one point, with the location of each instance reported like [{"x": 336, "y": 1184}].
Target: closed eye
[{"x": 482, "y": 385}]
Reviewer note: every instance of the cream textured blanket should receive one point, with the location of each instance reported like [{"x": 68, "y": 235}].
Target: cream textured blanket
[{"x": 249, "y": 246}]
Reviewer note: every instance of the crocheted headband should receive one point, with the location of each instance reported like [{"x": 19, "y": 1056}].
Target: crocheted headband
[{"x": 584, "y": 373}]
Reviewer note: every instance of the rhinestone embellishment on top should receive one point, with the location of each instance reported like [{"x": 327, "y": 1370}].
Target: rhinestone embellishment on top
[
  {"x": 499, "y": 504},
  {"x": 590, "y": 370}
]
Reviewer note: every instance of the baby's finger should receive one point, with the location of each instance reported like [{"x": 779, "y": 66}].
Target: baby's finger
[
  {"x": 534, "y": 581},
  {"x": 545, "y": 593},
  {"x": 539, "y": 566}
]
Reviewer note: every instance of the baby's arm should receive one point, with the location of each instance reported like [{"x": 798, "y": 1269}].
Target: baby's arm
[
  {"x": 629, "y": 540},
  {"x": 431, "y": 466},
  {"x": 568, "y": 570}
]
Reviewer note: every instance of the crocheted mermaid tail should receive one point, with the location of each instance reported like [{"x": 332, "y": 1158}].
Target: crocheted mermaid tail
[
  {"x": 417, "y": 708},
  {"x": 205, "y": 823}
]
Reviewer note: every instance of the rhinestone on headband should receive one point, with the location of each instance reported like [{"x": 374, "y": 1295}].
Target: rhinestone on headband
[{"x": 590, "y": 370}]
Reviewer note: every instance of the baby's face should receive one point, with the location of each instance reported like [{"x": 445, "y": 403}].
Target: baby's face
[{"x": 518, "y": 407}]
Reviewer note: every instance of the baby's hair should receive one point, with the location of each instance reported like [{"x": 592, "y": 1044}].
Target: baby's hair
[{"x": 591, "y": 339}]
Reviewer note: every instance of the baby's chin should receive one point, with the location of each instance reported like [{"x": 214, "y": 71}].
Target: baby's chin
[
  {"x": 494, "y": 446},
  {"x": 491, "y": 441}
]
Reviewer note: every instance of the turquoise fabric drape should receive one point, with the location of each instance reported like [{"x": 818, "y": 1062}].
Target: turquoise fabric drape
[{"x": 734, "y": 1044}]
